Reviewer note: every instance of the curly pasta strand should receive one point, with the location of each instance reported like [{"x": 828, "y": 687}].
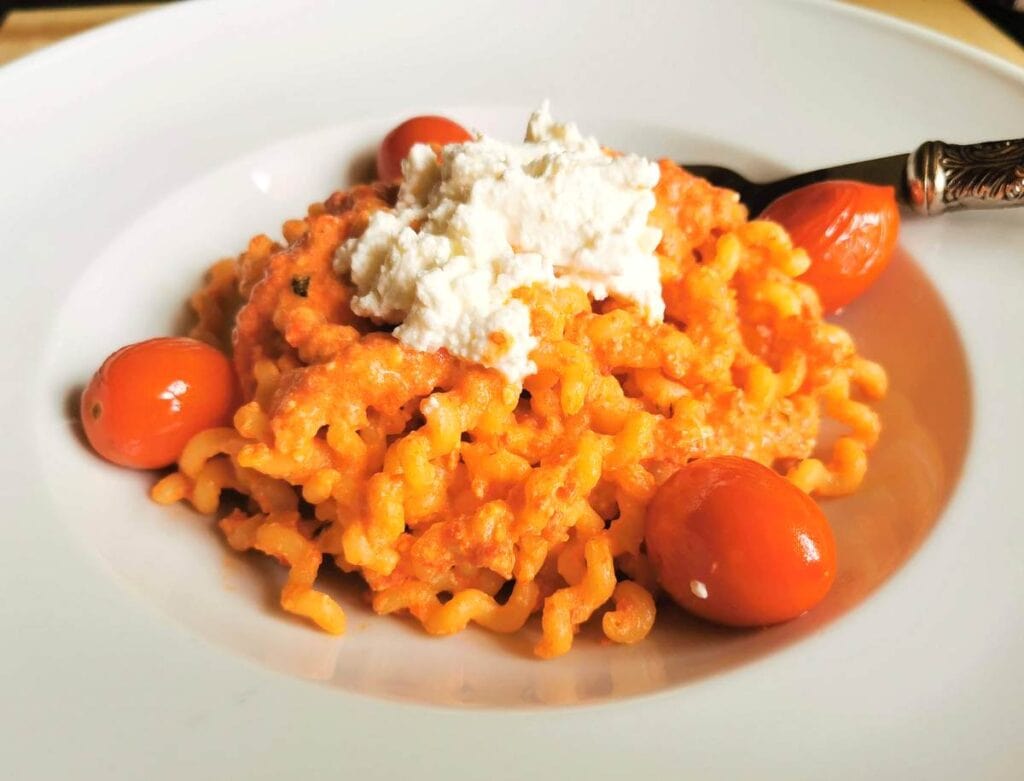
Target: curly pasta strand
[
  {"x": 207, "y": 444},
  {"x": 844, "y": 472},
  {"x": 277, "y": 535},
  {"x": 633, "y": 617},
  {"x": 567, "y": 608},
  {"x": 474, "y": 605},
  {"x": 170, "y": 489}
]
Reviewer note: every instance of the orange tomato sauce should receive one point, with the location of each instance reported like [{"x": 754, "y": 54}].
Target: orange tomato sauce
[{"x": 461, "y": 499}]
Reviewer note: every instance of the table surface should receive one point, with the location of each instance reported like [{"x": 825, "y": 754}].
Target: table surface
[{"x": 27, "y": 31}]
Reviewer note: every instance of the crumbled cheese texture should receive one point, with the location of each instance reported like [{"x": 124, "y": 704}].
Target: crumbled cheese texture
[{"x": 491, "y": 217}]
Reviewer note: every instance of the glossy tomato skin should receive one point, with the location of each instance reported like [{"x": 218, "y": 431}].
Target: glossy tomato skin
[
  {"x": 418, "y": 130},
  {"x": 849, "y": 230},
  {"x": 735, "y": 543},
  {"x": 148, "y": 399}
]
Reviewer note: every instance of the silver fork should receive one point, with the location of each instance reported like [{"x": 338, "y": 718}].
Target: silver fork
[{"x": 934, "y": 178}]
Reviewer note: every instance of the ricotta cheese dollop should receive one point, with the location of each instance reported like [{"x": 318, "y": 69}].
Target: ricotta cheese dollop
[{"x": 491, "y": 217}]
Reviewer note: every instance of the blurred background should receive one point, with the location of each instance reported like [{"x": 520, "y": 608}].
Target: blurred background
[{"x": 997, "y": 26}]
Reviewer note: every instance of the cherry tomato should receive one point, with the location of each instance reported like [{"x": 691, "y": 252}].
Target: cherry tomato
[
  {"x": 849, "y": 231},
  {"x": 148, "y": 399},
  {"x": 418, "y": 130},
  {"x": 734, "y": 542}
]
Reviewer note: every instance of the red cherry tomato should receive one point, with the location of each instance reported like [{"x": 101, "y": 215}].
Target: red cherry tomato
[
  {"x": 418, "y": 130},
  {"x": 734, "y": 542},
  {"x": 849, "y": 231},
  {"x": 148, "y": 399}
]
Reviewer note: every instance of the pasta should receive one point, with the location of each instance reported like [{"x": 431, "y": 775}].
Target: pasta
[{"x": 460, "y": 499}]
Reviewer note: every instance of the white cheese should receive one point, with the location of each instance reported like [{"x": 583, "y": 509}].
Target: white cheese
[{"x": 492, "y": 217}]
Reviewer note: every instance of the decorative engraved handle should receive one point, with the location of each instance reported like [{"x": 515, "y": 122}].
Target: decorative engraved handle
[{"x": 989, "y": 175}]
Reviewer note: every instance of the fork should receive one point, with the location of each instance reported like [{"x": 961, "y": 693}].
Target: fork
[{"x": 934, "y": 178}]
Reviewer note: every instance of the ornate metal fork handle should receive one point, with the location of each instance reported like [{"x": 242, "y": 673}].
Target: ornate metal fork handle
[{"x": 988, "y": 175}]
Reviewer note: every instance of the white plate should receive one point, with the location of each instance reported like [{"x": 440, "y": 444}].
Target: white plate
[{"x": 136, "y": 154}]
